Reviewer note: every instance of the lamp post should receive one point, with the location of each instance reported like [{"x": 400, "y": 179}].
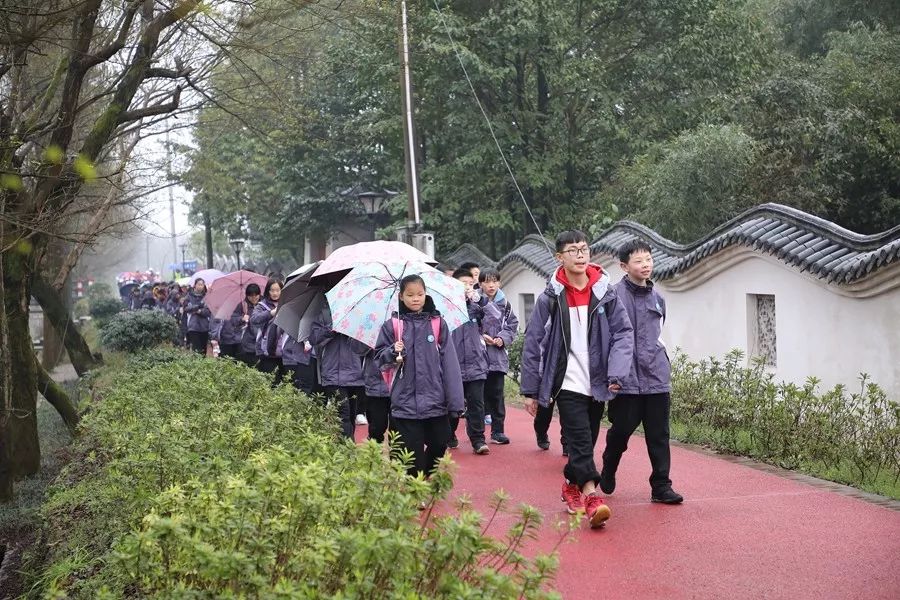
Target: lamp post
[
  {"x": 183, "y": 248},
  {"x": 237, "y": 244},
  {"x": 372, "y": 203}
]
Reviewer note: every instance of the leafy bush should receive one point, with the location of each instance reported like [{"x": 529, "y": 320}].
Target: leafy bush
[
  {"x": 192, "y": 478},
  {"x": 99, "y": 291},
  {"x": 853, "y": 437},
  {"x": 103, "y": 309},
  {"x": 515, "y": 356},
  {"x": 138, "y": 330}
]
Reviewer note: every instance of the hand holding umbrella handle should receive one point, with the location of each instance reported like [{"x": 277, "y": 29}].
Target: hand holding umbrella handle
[{"x": 398, "y": 348}]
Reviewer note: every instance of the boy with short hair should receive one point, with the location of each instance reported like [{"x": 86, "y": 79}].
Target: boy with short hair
[
  {"x": 500, "y": 327},
  {"x": 470, "y": 350},
  {"x": 644, "y": 398},
  {"x": 578, "y": 349}
]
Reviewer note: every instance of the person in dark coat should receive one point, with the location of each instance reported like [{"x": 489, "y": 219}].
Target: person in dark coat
[
  {"x": 340, "y": 370},
  {"x": 644, "y": 397},
  {"x": 578, "y": 352},
  {"x": 427, "y": 385},
  {"x": 197, "y": 316},
  {"x": 500, "y": 326},
  {"x": 378, "y": 396},
  {"x": 270, "y": 337},
  {"x": 295, "y": 357},
  {"x": 247, "y": 350},
  {"x": 228, "y": 332},
  {"x": 470, "y": 349}
]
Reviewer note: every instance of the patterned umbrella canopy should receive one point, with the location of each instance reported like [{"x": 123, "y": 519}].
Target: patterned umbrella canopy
[{"x": 365, "y": 298}]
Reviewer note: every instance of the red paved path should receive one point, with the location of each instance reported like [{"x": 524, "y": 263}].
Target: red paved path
[{"x": 741, "y": 533}]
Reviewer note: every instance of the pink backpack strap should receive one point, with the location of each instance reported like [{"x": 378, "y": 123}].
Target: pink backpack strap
[
  {"x": 436, "y": 329},
  {"x": 388, "y": 374}
]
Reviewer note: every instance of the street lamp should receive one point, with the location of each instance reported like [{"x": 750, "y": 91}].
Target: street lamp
[
  {"x": 372, "y": 203},
  {"x": 237, "y": 244},
  {"x": 183, "y": 248}
]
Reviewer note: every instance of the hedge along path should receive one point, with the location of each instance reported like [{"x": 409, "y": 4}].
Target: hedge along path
[
  {"x": 742, "y": 532},
  {"x": 192, "y": 477}
]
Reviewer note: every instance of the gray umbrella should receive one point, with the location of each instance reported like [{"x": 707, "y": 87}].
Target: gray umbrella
[{"x": 300, "y": 303}]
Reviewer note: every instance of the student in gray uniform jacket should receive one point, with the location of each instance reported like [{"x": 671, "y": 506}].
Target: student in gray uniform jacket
[
  {"x": 340, "y": 370},
  {"x": 197, "y": 316},
  {"x": 499, "y": 328},
  {"x": 247, "y": 351}
]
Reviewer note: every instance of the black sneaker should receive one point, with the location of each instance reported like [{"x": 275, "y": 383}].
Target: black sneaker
[
  {"x": 499, "y": 438},
  {"x": 666, "y": 496},
  {"x": 481, "y": 448},
  {"x": 565, "y": 450},
  {"x": 543, "y": 443},
  {"x": 453, "y": 444},
  {"x": 607, "y": 482}
]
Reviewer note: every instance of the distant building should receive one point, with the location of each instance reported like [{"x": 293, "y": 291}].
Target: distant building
[{"x": 810, "y": 297}]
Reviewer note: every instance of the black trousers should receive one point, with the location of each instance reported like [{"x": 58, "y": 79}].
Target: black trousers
[
  {"x": 626, "y": 412},
  {"x": 248, "y": 358},
  {"x": 474, "y": 394},
  {"x": 378, "y": 410},
  {"x": 494, "y": 404},
  {"x": 267, "y": 364},
  {"x": 231, "y": 350},
  {"x": 542, "y": 423},
  {"x": 347, "y": 399},
  {"x": 580, "y": 416},
  {"x": 197, "y": 341},
  {"x": 426, "y": 439},
  {"x": 305, "y": 378}
]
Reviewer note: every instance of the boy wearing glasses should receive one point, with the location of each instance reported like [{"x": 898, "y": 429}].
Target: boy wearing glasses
[{"x": 578, "y": 351}]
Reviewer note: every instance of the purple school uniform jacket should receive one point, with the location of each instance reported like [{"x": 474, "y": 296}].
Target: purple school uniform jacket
[
  {"x": 646, "y": 308},
  {"x": 610, "y": 342},
  {"x": 428, "y": 383}
]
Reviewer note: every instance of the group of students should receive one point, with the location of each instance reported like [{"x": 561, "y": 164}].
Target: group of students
[{"x": 589, "y": 344}]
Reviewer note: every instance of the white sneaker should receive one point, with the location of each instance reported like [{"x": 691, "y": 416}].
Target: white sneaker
[{"x": 361, "y": 420}]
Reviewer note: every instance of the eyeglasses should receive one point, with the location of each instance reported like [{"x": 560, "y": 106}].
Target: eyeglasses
[{"x": 573, "y": 252}]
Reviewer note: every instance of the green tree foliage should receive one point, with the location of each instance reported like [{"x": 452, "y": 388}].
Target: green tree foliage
[
  {"x": 690, "y": 184},
  {"x": 590, "y": 101}
]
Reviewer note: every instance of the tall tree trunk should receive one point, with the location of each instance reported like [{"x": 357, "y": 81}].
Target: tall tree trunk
[
  {"x": 21, "y": 453},
  {"x": 207, "y": 225},
  {"x": 56, "y": 312}
]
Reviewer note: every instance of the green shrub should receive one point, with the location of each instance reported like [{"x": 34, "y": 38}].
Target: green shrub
[
  {"x": 99, "y": 291},
  {"x": 852, "y": 437},
  {"x": 138, "y": 330},
  {"x": 103, "y": 309},
  {"x": 515, "y": 356},
  {"x": 192, "y": 478}
]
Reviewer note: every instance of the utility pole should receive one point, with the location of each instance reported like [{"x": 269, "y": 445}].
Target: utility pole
[
  {"x": 171, "y": 201},
  {"x": 414, "y": 235}
]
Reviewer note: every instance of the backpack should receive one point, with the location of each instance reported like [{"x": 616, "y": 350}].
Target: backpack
[{"x": 388, "y": 373}]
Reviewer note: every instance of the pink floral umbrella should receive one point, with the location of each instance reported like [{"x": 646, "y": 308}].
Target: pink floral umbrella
[
  {"x": 365, "y": 298},
  {"x": 347, "y": 257}
]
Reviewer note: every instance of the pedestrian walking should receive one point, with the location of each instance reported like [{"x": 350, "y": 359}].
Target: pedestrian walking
[
  {"x": 197, "y": 318},
  {"x": 472, "y": 355},
  {"x": 644, "y": 397},
  {"x": 426, "y": 384},
  {"x": 578, "y": 351},
  {"x": 340, "y": 370},
  {"x": 269, "y": 337},
  {"x": 500, "y": 326}
]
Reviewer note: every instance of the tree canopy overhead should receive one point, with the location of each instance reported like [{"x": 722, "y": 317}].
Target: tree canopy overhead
[{"x": 676, "y": 114}]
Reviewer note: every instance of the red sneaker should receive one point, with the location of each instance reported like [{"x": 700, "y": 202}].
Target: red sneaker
[
  {"x": 571, "y": 495},
  {"x": 596, "y": 511}
]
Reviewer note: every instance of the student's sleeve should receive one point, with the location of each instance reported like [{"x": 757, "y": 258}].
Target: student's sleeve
[
  {"x": 215, "y": 329},
  {"x": 322, "y": 331},
  {"x": 533, "y": 348},
  {"x": 621, "y": 347},
  {"x": 260, "y": 317},
  {"x": 237, "y": 318},
  {"x": 510, "y": 328},
  {"x": 662, "y": 304},
  {"x": 451, "y": 375},
  {"x": 384, "y": 347}
]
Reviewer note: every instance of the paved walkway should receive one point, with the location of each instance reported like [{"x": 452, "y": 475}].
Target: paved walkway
[{"x": 741, "y": 533}]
